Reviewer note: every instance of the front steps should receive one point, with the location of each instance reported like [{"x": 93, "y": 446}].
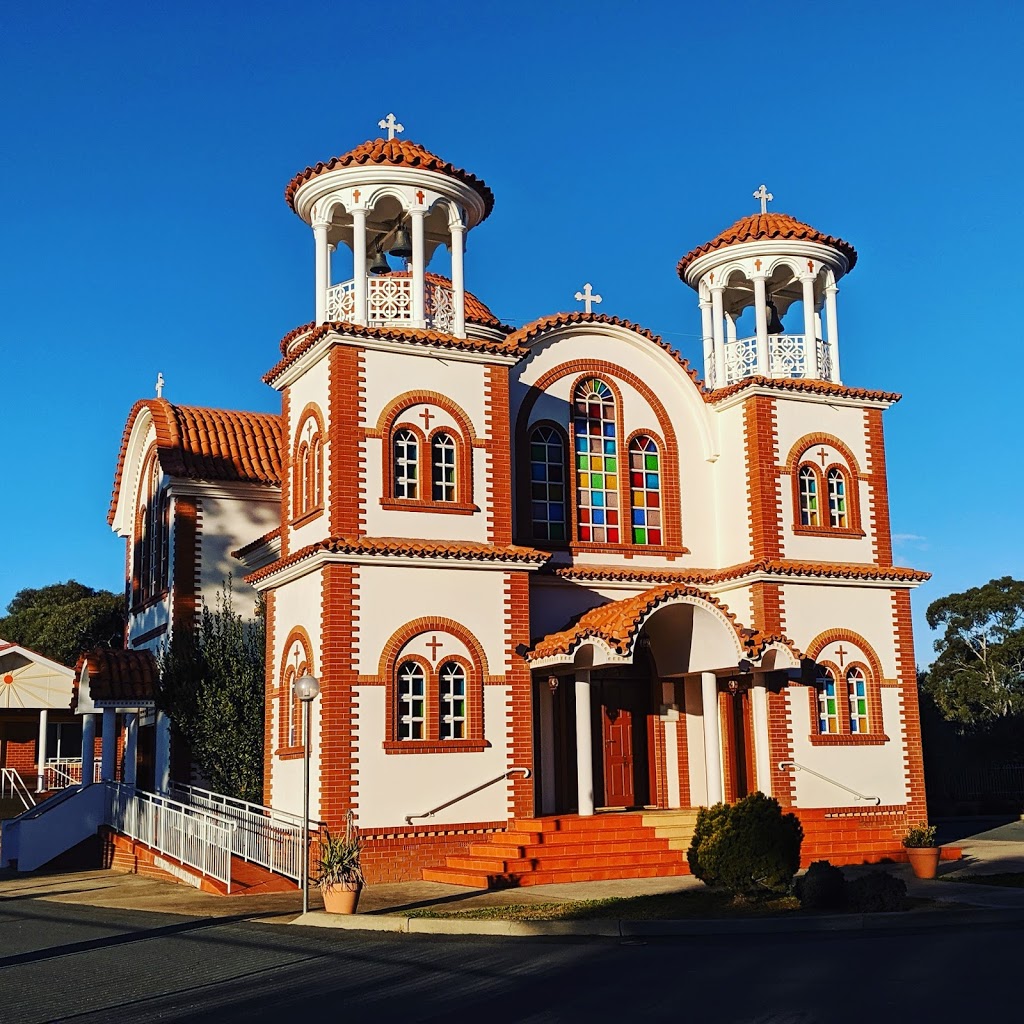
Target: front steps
[{"x": 570, "y": 848}]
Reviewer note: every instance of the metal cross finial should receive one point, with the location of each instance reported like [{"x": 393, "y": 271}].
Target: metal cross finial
[
  {"x": 159, "y": 385},
  {"x": 587, "y": 297},
  {"x": 765, "y": 196},
  {"x": 391, "y": 126}
]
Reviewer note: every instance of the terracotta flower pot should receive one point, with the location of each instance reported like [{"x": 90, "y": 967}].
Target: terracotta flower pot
[
  {"x": 924, "y": 860},
  {"x": 342, "y": 898}
]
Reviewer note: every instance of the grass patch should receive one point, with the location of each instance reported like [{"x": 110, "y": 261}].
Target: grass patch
[
  {"x": 1008, "y": 880},
  {"x": 670, "y": 906}
]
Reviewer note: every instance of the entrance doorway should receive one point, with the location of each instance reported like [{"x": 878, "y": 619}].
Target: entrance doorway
[
  {"x": 739, "y": 746},
  {"x": 622, "y": 707}
]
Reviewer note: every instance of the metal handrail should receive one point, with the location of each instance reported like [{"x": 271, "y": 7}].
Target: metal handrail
[
  {"x": 12, "y": 782},
  {"x": 462, "y": 796},
  {"x": 783, "y": 765}
]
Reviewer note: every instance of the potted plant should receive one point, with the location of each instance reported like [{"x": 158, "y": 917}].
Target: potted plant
[
  {"x": 922, "y": 850},
  {"x": 340, "y": 876}
]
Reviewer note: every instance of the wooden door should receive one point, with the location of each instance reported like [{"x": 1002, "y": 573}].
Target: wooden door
[
  {"x": 617, "y": 737},
  {"x": 741, "y": 748}
]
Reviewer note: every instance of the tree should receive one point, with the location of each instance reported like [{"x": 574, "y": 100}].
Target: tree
[
  {"x": 64, "y": 619},
  {"x": 978, "y": 676},
  {"x": 211, "y": 685}
]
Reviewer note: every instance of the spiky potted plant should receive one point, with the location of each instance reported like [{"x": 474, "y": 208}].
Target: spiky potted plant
[
  {"x": 922, "y": 849},
  {"x": 340, "y": 876}
]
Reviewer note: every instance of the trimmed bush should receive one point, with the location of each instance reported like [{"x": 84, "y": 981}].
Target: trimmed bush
[
  {"x": 747, "y": 848},
  {"x": 876, "y": 891},
  {"x": 823, "y": 887}
]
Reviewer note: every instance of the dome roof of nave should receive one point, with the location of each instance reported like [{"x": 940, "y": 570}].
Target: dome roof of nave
[
  {"x": 767, "y": 226},
  {"x": 198, "y": 443},
  {"x": 396, "y": 153}
]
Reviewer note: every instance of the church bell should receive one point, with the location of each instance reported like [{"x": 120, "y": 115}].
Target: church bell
[
  {"x": 380, "y": 264},
  {"x": 774, "y": 321},
  {"x": 401, "y": 246}
]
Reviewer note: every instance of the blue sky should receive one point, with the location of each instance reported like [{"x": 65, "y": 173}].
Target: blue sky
[{"x": 146, "y": 147}]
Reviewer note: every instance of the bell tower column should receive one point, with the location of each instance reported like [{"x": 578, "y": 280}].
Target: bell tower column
[
  {"x": 320, "y": 240},
  {"x": 359, "y": 266},
  {"x": 810, "y": 340},
  {"x": 718, "y": 327},
  {"x": 764, "y": 366},
  {"x": 418, "y": 310},
  {"x": 832, "y": 328},
  {"x": 458, "y": 280},
  {"x": 707, "y": 333}
]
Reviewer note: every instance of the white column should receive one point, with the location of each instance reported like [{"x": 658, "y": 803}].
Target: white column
[
  {"x": 832, "y": 327},
  {"x": 762, "y": 751},
  {"x": 359, "y": 266},
  {"x": 108, "y": 764},
  {"x": 458, "y": 280},
  {"x": 730, "y": 327},
  {"x": 162, "y": 754},
  {"x": 88, "y": 748},
  {"x": 131, "y": 747},
  {"x": 419, "y": 315},
  {"x": 584, "y": 749},
  {"x": 320, "y": 240},
  {"x": 707, "y": 333},
  {"x": 764, "y": 366},
  {"x": 810, "y": 342},
  {"x": 41, "y": 751},
  {"x": 717, "y": 327},
  {"x": 712, "y": 737},
  {"x": 672, "y": 762}
]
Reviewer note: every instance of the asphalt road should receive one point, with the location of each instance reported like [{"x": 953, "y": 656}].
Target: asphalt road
[{"x": 63, "y": 962}]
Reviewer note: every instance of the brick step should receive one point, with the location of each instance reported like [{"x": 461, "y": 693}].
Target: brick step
[
  {"x": 574, "y": 823},
  {"x": 507, "y": 849},
  {"x": 552, "y": 861},
  {"x": 574, "y": 837},
  {"x": 479, "y": 880}
]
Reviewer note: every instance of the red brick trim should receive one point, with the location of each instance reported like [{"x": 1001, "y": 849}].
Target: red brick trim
[
  {"x": 520, "y": 696},
  {"x": 878, "y": 510},
  {"x": 286, "y": 467},
  {"x": 767, "y": 606},
  {"x": 499, "y": 482},
  {"x": 437, "y": 624},
  {"x": 683, "y": 754},
  {"x": 269, "y": 690},
  {"x": 284, "y": 701},
  {"x": 906, "y": 670},
  {"x": 829, "y": 636},
  {"x": 346, "y": 398},
  {"x": 761, "y": 449},
  {"x": 780, "y": 746},
  {"x": 392, "y": 412},
  {"x": 302, "y": 515}
]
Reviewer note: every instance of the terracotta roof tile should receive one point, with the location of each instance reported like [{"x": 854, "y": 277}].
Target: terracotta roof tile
[
  {"x": 803, "y": 386},
  {"x": 246, "y": 549},
  {"x": 432, "y": 339},
  {"x": 117, "y": 675},
  {"x": 397, "y": 153},
  {"x": 405, "y": 547},
  {"x": 208, "y": 444},
  {"x": 767, "y": 226}
]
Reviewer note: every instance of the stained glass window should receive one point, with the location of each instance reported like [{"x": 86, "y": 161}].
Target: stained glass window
[
  {"x": 645, "y": 490},
  {"x": 857, "y": 685},
  {"x": 837, "y": 499},
  {"x": 597, "y": 463},
  {"x": 453, "y": 701},
  {"x": 547, "y": 484},
  {"x": 406, "y": 456},
  {"x": 810, "y": 515},
  {"x": 443, "y": 475},
  {"x": 828, "y": 708},
  {"x": 412, "y": 700}
]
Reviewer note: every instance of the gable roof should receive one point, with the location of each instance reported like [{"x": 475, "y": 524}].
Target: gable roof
[{"x": 117, "y": 676}]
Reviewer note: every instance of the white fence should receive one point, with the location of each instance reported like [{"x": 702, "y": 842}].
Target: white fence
[
  {"x": 12, "y": 786},
  {"x": 261, "y": 835},
  {"x": 61, "y": 772},
  {"x": 189, "y": 834}
]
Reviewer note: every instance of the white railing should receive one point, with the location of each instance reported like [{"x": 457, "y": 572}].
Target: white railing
[
  {"x": 787, "y": 357},
  {"x": 526, "y": 773},
  {"x": 389, "y": 301},
  {"x": 189, "y": 835},
  {"x": 12, "y": 785},
  {"x": 61, "y": 772},
  {"x": 261, "y": 835},
  {"x": 796, "y": 767}
]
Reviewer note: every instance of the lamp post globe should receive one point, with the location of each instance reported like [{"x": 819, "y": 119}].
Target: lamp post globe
[{"x": 305, "y": 689}]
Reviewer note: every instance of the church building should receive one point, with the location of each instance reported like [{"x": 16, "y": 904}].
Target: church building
[{"x": 559, "y": 587}]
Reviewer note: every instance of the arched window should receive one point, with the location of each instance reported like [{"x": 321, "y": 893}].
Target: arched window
[
  {"x": 452, "y": 701},
  {"x": 828, "y": 704},
  {"x": 412, "y": 700},
  {"x": 152, "y": 557},
  {"x": 406, "y": 464},
  {"x": 296, "y": 663},
  {"x": 308, "y": 466},
  {"x": 838, "y": 517},
  {"x": 857, "y": 689},
  {"x": 547, "y": 484},
  {"x": 810, "y": 513},
  {"x": 442, "y": 450},
  {"x": 597, "y": 464},
  {"x": 645, "y": 490}
]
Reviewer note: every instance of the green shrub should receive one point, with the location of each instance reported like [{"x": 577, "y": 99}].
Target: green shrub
[
  {"x": 922, "y": 836},
  {"x": 876, "y": 891},
  {"x": 748, "y": 847},
  {"x": 823, "y": 887}
]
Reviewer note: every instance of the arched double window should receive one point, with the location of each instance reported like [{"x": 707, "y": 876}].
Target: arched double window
[
  {"x": 824, "y": 488},
  {"x": 847, "y": 696},
  {"x": 435, "y": 706},
  {"x": 308, "y": 466},
  {"x": 296, "y": 662},
  {"x": 152, "y": 535}
]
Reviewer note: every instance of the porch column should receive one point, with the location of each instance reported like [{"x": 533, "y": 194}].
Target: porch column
[
  {"x": 88, "y": 748},
  {"x": 162, "y": 754},
  {"x": 131, "y": 747},
  {"x": 41, "y": 751},
  {"x": 762, "y": 751},
  {"x": 108, "y": 764},
  {"x": 359, "y": 266},
  {"x": 712, "y": 737},
  {"x": 584, "y": 750}
]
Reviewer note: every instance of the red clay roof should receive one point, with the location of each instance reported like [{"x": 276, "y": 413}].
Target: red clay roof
[
  {"x": 764, "y": 226},
  {"x": 409, "y": 548},
  {"x": 208, "y": 444},
  {"x": 116, "y": 675},
  {"x": 246, "y": 549},
  {"x": 397, "y": 153},
  {"x": 801, "y": 385}
]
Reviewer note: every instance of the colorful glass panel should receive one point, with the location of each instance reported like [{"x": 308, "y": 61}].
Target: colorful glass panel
[
  {"x": 452, "y": 677},
  {"x": 406, "y": 456},
  {"x": 837, "y": 499},
  {"x": 412, "y": 700},
  {"x": 547, "y": 484},
  {"x": 443, "y": 462},
  {"x": 828, "y": 707},
  {"x": 857, "y": 687},
  {"x": 597, "y": 463},
  {"x": 645, "y": 490},
  {"x": 810, "y": 515}
]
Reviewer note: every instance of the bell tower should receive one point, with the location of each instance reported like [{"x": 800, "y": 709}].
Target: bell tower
[
  {"x": 390, "y": 197},
  {"x": 774, "y": 265}
]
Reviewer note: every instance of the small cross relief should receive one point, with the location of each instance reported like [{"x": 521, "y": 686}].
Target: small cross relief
[
  {"x": 841, "y": 654},
  {"x": 823, "y": 455},
  {"x": 434, "y": 646},
  {"x": 427, "y": 416}
]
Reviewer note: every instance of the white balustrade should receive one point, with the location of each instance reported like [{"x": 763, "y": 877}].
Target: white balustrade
[
  {"x": 389, "y": 302},
  {"x": 787, "y": 355},
  {"x": 61, "y": 772}
]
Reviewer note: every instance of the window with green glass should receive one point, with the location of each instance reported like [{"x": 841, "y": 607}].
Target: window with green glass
[
  {"x": 837, "y": 499},
  {"x": 645, "y": 490},
  {"x": 828, "y": 704},
  {"x": 810, "y": 514},
  {"x": 547, "y": 484},
  {"x": 857, "y": 687},
  {"x": 597, "y": 463}
]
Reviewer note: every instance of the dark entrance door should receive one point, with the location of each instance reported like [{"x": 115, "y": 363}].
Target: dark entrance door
[
  {"x": 741, "y": 747},
  {"x": 622, "y": 706},
  {"x": 617, "y": 734}
]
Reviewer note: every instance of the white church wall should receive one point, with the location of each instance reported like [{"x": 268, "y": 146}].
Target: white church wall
[
  {"x": 729, "y": 535},
  {"x": 872, "y": 770},
  {"x": 390, "y": 786}
]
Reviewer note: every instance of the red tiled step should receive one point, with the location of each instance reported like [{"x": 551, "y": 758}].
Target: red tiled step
[{"x": 480, "y": 880}]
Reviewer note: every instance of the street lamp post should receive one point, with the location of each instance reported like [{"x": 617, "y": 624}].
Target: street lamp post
[{"x": 306, "y": 689}]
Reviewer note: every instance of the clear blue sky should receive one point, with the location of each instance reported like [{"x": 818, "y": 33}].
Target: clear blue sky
[{"x": 146, "y": 147}]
